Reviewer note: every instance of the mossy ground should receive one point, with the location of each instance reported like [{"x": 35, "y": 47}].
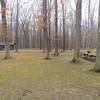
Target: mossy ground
[{"x": 28, "y": 76}]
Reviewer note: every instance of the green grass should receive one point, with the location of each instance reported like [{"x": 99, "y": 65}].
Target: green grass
[
  {"x": 93, "y": 51},
  {"x": 98, "y": 99},
  {"x": 29, "y": 70}
]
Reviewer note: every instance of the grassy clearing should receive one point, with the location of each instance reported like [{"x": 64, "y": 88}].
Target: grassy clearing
[{"x": 29, "y": 77}]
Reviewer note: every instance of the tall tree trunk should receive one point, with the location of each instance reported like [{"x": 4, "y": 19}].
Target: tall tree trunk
[
  {"x": 97, "y": 67},
  {"x": 63, "y": 14},
  {"x": 17, "y": 20},
  {"x": 56, "y": 28},
  {"x": 49, "y": 29},
  {"x": 88, "y": 35},
  {"x": 49, "y": 37},
  {"x": 40, "y": 38},
  {"x": 78, "y": 31},
  {"x": 49, "y": 25},
  {"x": 45, "y": 32},
  {"x": 11, "y": 25},
  {"x": 67, "y": 38},
  {"x": 4, "y": 26}
]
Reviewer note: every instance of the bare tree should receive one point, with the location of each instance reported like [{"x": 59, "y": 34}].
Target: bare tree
[
  {"x": 56, "y": 28},
  {"x": 4, "y": 29},
  {"x": 17, "y": 23},
  {"x": 63, "y": 14},
  {"x": 45, "y": 31},
  {"x": 97, "y": 67},
  {"x": 78, "y": 31},
  {"x": 49, "y": 20}
]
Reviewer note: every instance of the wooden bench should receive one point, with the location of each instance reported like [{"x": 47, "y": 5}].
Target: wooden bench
[
  {"x": 11, "y": 46},
  {"x": 88, "y": 56}
]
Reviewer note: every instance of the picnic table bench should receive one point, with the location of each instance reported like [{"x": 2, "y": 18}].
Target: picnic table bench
[
  {"x": 88, "y": 56},
  {"x": 11, "y": 46}
]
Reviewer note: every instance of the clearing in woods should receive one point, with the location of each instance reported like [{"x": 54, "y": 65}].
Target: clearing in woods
[{"x": 29, "y": 77}]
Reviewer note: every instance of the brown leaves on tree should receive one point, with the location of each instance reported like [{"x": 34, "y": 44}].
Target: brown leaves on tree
[
  {"x": 40, "y": 16},
  {"x": 8, "y": 34},
  {"x": 41, "y": 24},
  {"x": 54, "y": 36},
  {"x": 5, "y": 9}
]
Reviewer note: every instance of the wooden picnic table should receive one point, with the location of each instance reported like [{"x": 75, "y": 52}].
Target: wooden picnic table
[{"x": 88, "y": 56}]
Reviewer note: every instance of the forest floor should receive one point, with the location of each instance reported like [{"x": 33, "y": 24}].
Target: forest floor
[{"x": 30, "y": 77}]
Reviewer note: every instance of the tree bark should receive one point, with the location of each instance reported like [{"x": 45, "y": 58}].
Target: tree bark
[
  {"x": 78, "y": 31},
  {"x": 17, "y": 20},
  {"x": 4, "y": 27},
  {"x": 97, "y": 67},
  {"x": 45, "y": 31},
  {"x": 63, "y": 14},
  {"x": 56, "y": 28}
]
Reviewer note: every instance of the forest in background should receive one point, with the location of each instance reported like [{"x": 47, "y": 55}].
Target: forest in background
[{"x": 24, "y": 22}]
